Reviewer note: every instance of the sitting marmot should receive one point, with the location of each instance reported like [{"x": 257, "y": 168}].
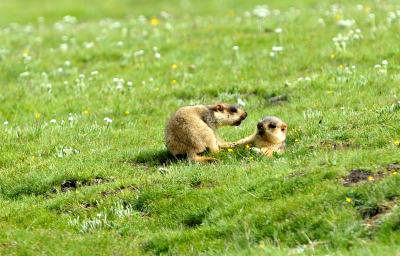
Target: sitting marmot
[
  {"x": 193, "y": 129},
  {"x": 269, "y": 138}
]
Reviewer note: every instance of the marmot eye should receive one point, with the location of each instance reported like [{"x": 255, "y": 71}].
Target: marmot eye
[
  {"x": 233, "y": 109},
  {"x": 272, "y": 126}
]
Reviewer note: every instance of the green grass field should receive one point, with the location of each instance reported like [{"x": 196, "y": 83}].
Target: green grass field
[{"x": 86, "y": 90}]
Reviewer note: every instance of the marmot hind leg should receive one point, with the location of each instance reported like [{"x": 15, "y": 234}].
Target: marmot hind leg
[{"x": 201, "y": 159}]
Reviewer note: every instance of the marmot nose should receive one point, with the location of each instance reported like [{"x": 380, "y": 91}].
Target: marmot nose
[{"x": 244, "y": 115}]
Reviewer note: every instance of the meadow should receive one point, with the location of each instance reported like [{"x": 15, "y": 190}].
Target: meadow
[{"x": 86, "y": 90}]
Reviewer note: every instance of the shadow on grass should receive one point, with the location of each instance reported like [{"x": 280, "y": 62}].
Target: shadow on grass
[{"x": 154, "y": 158}]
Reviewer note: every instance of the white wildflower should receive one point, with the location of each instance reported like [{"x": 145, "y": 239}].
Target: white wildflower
[
  {"x": 277, "y": 48},
  {"x": 70, "y": 19},
  {"x": 346, "y": 23},
  {"x": 88, "y": 45},
  {"x": 138, "y": 53},
  {"x": 64, "y": 47},
  {"x": 24, "y": 74},
  {"x": 240, "y": 102},
  {"x": 261, "y": 11}
]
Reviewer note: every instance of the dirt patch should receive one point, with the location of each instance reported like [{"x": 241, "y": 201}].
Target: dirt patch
[
  {"x": 277, "y": 100},
  {"x": 119, "y": 190},
  {"x": 336, "y": 145},
  {"x": 359, "y": 175},
  {"x": 393, "y": 167},
  {"x": 373, "y": 220},
  {"x": 355, "y": 176},
  {"x": 91, "y": 204},
  {"x": 67, "y": 185},
  {"x": 8, "y": 244},
  {"x": 73, "y": 184}
]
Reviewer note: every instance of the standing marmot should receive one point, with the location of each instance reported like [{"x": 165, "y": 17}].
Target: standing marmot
[
  {"x": 269, "y": 138},
  {"x": 193, "y": 129}
]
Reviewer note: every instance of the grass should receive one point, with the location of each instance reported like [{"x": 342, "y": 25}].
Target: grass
[{"x": 72, "y": 183}]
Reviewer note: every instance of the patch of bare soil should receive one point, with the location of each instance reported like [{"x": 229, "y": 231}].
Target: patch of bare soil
[
  {"x": 73, "y": 184},
  {"x": 359, "y": 175},
  {"x": 356, "y": 175},
  {"x": 119, "y": 190},
  {"x": 337, "y": 145},
  {"x": 373, "y": 220},
  {"x": 279, "y": 99}
]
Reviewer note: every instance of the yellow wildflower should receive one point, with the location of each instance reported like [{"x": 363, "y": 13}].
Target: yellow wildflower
[
  {"x": 370, "y": 178},
  {"x": 333, "y": 56},
  {"x": 173, "y": 81},
  {"x": 154, "y": 21},
  {"x": 126, "y": 112},
  {"x": 394, "y": 173},
  {"x": 230, "y": 150},
  {"x": 174, "y": 66},
  {"x": 348, "y": 199},
  {"x": 37, "y": 116},
  {"x": 85, "y": 112},
  {"x": 247, "y": 146},
  {"x": 396, "y": 142}
]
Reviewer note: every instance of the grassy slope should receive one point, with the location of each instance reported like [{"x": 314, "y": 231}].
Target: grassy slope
[{"x": 245, "y": 203}]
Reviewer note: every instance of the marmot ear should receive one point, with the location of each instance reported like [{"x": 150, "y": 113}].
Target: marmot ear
[{"x": 218, "y": 107}]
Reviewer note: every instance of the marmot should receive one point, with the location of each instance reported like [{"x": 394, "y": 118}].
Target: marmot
[
  {"x": 193, "y": 129},
  {"x": 269, "y": 138}
]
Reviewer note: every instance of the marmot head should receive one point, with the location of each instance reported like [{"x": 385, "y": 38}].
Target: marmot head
[
  {"x": 226, "y": 114},
  {"x": 272, "y": 129}
]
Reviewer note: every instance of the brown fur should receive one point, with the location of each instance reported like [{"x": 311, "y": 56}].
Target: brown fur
[
  {"x": 270, "y": 136},
  {"x": 192, "y": 130}
]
